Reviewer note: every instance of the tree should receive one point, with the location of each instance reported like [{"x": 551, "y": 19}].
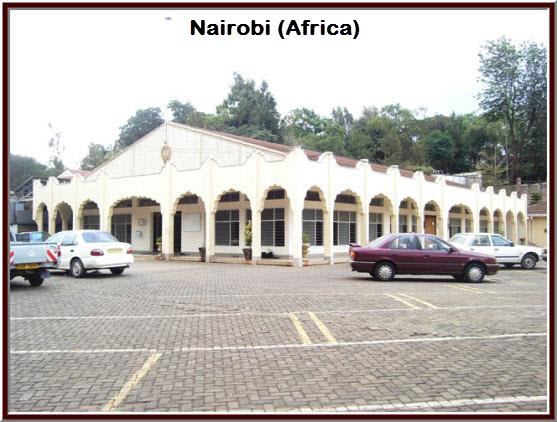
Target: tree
[
  {"x": 97, "y": 155},
  {"x": 251, "y": 110},
  {"x": 535, "y": 197},
  {"x": 515, "y": 91},
  {"x": 139, "y": 125},
  {"x": 181, "y": 112},
  {"x": 56, "y": 149},
  {"x": 22, "y": 168},
  {"x": 439, "y": 147}
]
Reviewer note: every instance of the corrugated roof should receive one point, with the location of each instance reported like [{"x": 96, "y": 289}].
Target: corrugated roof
[{"x": 538, "y": 208}]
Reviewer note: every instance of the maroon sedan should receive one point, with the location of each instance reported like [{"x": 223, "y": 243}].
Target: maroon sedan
[{"x": 419, "y": 254}]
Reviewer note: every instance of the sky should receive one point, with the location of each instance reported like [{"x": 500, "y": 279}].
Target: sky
[{"x": 86, "y": 72}]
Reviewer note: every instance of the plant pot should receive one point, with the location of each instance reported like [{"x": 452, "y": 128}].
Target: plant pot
[
  {"x": 202, "y": 252},
  {"x": 305, "y": 251},
  {"x": 247, "y": 254}
]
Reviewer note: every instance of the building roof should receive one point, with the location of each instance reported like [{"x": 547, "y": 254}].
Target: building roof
[
  {"x": 69, "y": 173},
  {"x": 539, "y": 208}
]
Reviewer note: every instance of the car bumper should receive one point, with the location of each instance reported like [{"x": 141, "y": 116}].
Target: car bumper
[
  {"x": 100, "y": 263},
  {"x": 362, "y": 267},
  {"x": 492, "y": 269}
]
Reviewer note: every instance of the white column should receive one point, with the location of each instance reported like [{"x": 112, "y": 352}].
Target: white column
[
  {"x": 209, "y": 236},
  {"x": 39, "y": 219},
  {"x": 394, "y": 224},
  {"x": 419, "y": 221},
  {"x": 386, "y": 221},
  {"x": 255, "y": 234},
  {"x": 364, "y": 230},
  {"x": 296, "y": 234},
  {"x": 167, "y": 234},
  {"x": 51, "y": 223},
  {"x": 328, "y": 236}
]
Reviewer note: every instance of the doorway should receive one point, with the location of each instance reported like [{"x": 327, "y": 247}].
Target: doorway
[
  {"x": 157, "y": 230},
  {"x": 177, "y": 232},
  {"x": 430, "y": 224}
]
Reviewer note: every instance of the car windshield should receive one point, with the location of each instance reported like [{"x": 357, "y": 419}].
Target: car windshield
[
  {"x": 92, "y": 237},
  {"x": 374, "y": 243},
  {"x": 458, "y": 239}
]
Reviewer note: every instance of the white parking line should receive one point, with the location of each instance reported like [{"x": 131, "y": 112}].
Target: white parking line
[
  {"x": 132, "y": 382},
  {"x": 288, "y": 346},
  {"x": 423, "y": 302},
  {"x": 411, "y": 305},
  {"x": 414, "y": 308}
]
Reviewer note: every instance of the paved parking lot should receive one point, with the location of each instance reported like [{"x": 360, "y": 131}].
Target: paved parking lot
[{"x": 193, "y": 337}]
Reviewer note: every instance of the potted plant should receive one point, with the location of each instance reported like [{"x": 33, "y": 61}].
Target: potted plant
[
  {"x": 202, "y": 252},
  {"x": 305, "y": 246},
  {"x": 159, "y": 246},
  {"x": 247, "y": 238}
]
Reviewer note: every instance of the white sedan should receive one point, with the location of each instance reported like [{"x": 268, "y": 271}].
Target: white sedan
[{"x": 82, "y": 250}]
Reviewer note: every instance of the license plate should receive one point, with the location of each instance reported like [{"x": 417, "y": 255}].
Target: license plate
[
  {"x": 26, "y": 266},
  {"x": 114, "y": 250}
]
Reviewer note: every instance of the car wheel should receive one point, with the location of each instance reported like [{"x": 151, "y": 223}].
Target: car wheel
[
  {"x": 77, "y": 270},
  {"x": 474, "y": 273},
  {"x": 528, "y": 261},
  {"x": 117, "y": 270},
  {"x": 384, "y": 272},
  {"x": 509, "y": 266},
  {"x": 36, "y": 280}
]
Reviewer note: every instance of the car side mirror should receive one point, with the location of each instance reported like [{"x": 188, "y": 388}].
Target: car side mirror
[
  {"x": 452, "y": 249},
  {"x": 512, "y": 244}
]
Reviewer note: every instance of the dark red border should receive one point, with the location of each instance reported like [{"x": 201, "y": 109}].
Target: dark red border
[{"x": 6, "y": 7}]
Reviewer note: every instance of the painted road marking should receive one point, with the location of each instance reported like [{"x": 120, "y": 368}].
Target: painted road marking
[
  {"x": 132, "y": 382},
  {"x": 270, "y": 313},
  {"x": 475, "y": 289},
  {"x": 462, "y": 288},
  {"x": 323, "y": 328},
  {"x": 300, "y": 328},
  {"x": 289, "y": 346},
  {"x": 423, "y": 302},
  {"x": 411, "y": 305},
  {"x": 419, "y": 405}
]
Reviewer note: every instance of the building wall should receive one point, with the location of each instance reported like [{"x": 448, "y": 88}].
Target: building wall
[
  {"x": 537, "y": 231},
  {"x": 254, "y": 177}
]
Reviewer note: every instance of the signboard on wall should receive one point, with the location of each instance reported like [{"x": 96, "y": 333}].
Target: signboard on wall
[{"x": 191, "y": 222}]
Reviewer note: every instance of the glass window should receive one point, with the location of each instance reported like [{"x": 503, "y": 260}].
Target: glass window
[
  {"x": 483, "y": 226},
  {"x": 377, "y": 241},
  {"x": 458, "y": 239},
  {"x": 38, "y": 237},
  {"x": 344, "y": 227},
  {"x": 500, "y": 241},
  {"x": 403, "y": 223},
  {"x": 432, "y": 244},
  {"x": 230, "y": 197},
  {"x": 414, "y": 224},
  {"x": 405, "y": 242},
  {"x": 272, "y": 227},
  {"x": 92, "y": 237},
  {"x": 312, "y": 221},
  {"x": 57, "y": 238},
  {"x": 69, "y": 239},
  {"x": 481, "y": 240},
  {"x": 375, "y": 225},
  {"x": 468, "y": 226},
  {"x": 377, "y": 202},
  {"x": 496, "y": 227},
  {"x": 227, "y": 228},
  {"x": 91, "y": 222},
  {"x": 275, "y": 194},
  {"x": 312, "y": 196},
  {"x": 454, "y": 226},
  {"x": 121, "y": 227}
]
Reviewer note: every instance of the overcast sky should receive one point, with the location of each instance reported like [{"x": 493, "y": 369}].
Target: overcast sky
[{"x": 87, "y": 72}]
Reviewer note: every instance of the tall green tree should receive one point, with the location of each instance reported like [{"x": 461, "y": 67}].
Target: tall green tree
[
  {"x": 181, "y": 112},
  {"x": 515, "y": 91},
  {"x": 139, "y": 125},
  {"x": 97, "y": 155},
  {"x": 22, "y": 168}
]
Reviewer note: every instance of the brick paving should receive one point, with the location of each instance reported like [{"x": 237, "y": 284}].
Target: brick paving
[{"x": 227, "y": 341}]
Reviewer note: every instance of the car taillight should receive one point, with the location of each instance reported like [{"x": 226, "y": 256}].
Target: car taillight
[
  {"x": 97, "y": 252},
  {"x": 129, "y": 250},
  {"x": 353, "y": 255}
]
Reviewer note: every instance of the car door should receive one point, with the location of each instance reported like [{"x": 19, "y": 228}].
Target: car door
[
  {"x": 67, "y": 250},
  {"x": 405, "y": 252},
  {"x": 504, "y": 250},
  {"x": 482, "y": 244},
  {"x": 437, "y": 257}
]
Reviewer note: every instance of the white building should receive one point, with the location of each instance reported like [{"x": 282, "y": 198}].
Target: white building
[{"x": 197, "y": 188}]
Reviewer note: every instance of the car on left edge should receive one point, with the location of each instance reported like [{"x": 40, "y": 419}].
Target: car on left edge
[{"x": 79, "y": 251}]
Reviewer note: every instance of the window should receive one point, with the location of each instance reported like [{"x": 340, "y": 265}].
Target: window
[
  {"x": 248, "y": 215},
  {"x": 345, "y": 199},
  {"x": 272, "y": 227},
  {"x": 344, "y": 227},
  {"x": 189, "y": 199},
  {"x": 312, "y": 196},
  {"x": 227, "y": 228},
  {"x": 69, "y": 239},
  {"x": 22, "y": 237},
  {"x": 90, "y": 206},
  {"x": 468, "y": 226},
  {"x": 403, "y": 223},
  {"x": 482, "y": 240},
  {"x": 91, "y": 222},
  {"x": 312, "y": 221},
  {"x": 430, "y": 207},
  {"x": 146, "y": 202},
  {"x": 496, "y": 227},
  {"x": 126, "y": 203},
  {"x": 275, "y": 194},
  {"x": 414, "y": 224},
  {"x": 404, "y": 204},
  {"x": 57, "y": 238},
  {"x": 455, "y": 210},
  {"x": 230, "y": 197},
  {"x": 405, "y": 242},
  {"x": 500, "y": 241},
  {"x": 483, "y": 226},
  {"x": 454, "y": 226},
  {"x": 432, "y": 244},
  {"x": 92, "y": 237},
  {"x": 377, "y": 202},
  {"x": 121, "y": 227},
  {"x": 458, "y": 239},
  {"x": 375, "y": 225}
]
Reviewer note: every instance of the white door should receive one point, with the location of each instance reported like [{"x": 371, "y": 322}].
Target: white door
[
  {"x": 504, "y": 250},
  {"x": 67, "y": 250},
  {"x": 481, "y": 243}
]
